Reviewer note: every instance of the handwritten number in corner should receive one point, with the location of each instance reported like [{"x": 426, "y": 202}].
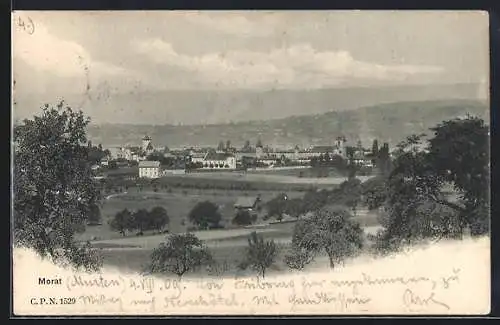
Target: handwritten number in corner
[{"x": 26, "y": 25}]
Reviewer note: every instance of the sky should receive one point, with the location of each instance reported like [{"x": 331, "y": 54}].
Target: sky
[{"x": 99, "y": 55}]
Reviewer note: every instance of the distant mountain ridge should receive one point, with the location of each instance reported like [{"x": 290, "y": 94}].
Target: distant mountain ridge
[
  {"x": 203, "y": 106},
  {"x": 386, "y": 122}
]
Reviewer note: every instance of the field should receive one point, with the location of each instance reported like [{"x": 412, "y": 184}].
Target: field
[
  {"x": 276, "y": 179},
  {"x": 286, "y": 176},
  {"x": 227, "y": 251},
  {"x": 177, "y": 202},
  {"x": 226, "y": 245},
  {"x": 178, "y": 194}
]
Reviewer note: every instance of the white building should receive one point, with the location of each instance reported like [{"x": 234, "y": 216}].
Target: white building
[
  {"x": 149, "y": 169},
  {"x": 216, "y": 160},
  {"x": 198, "y": 157}
]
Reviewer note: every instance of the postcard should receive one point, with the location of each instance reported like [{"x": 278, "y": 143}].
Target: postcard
[{"x": 194, "y": 163}]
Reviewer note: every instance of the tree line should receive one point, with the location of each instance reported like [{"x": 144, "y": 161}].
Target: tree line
[{"x": 141, "y": 220}]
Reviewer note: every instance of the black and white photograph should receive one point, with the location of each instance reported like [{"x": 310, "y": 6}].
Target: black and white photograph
[{"x": 250, "y": 162}]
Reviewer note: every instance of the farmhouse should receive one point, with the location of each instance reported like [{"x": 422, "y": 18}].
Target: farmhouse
[
  {"x": 247, "y": 203},
  {"x": 149, "y": 169},
  {"x": 217, "y": 160}
]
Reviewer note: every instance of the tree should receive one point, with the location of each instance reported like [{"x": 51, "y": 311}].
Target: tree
[
  {"x": 352, "y": 170},
  {"x": 113, "y": 165},
  {"x": 94, "y": 214},
  {"x": 246, "y": 146},
  {"x": 179, "y": 254},
  {"x": 383, "y": 159},
  {"x": 294, "y": 207},
  {"x": 349, "y": 151},
  {"x": 228, "y": 144},
  {"x": 53, "y": 188},
  {"x": 158, "y": 218},
  {"x": 276, "y": 206},
  {"x": 242, "y": 218},
  {"x": 373, "y": 192},
  {"x": 220, "y": 147},
  {"x": 158, "y": 156},
  {"x": 375, "y": 148},
  {"x": 141, "y": 220},
  {"x": 359, "y": 145},
  {"x": 467, "y": 141},
  {"x": 348, "y": 194},
  {"x": 417, "y": 205},
  {"x": 122, "y": 222},
  {"x": 330, "y": 229},
  {"x": 260, "y": 254},
  {"x": 205, "y": 215},
  {"x": 298, "y": 258}
]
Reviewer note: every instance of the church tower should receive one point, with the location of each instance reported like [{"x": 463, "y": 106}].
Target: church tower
[
  {"x": 340, "y": 146},
  {"x": 146, "y": 143}
]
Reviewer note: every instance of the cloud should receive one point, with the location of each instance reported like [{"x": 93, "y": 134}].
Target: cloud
[
  {"x": 230, "y": 23},
  {"x": 298, "y": 66},
  {"x": 45, "y": 52}
]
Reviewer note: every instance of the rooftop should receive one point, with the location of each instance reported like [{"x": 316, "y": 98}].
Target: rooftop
[
  {"x": 245, "y": 202},
  {"x": 322, "y": 149},
  {"x": 217, "y": 156},
  {"x": 149, "y": 164}
]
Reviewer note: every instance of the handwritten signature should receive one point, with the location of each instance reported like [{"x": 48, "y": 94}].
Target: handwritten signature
[
  {"x": 26, "y": 25},
  {"x": 410, "y": 299}
]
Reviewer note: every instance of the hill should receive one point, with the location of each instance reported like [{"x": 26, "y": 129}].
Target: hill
[
  {"x": 216, "y": 106},
  {"x": 386, "y": 122}
]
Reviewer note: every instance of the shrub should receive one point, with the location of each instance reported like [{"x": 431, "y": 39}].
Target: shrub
[
  {"x": 242, "y": 218},
  {"x": 205, "y": 214}
]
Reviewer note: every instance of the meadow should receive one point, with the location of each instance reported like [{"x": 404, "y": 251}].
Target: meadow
[
  {"x": 227, "y": 246},
  {"x": 285, "y": 177},
  {"x": 177, "y": 202},
  {"x": 178, "y": 194}
]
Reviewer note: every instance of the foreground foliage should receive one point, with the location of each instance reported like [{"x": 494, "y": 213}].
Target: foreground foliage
[
  {"x": 54, "y": 192},
  {"x": 330, "y": 230},
  {"x": 260, "y": 254},
  {"x": 418, "y": 196},
  {"x": 179, "y": 254}
]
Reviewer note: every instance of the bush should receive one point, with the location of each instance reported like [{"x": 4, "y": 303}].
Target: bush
[
  {"x": 205, "y": 214},
  {"x": 242, "y": 218}
]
